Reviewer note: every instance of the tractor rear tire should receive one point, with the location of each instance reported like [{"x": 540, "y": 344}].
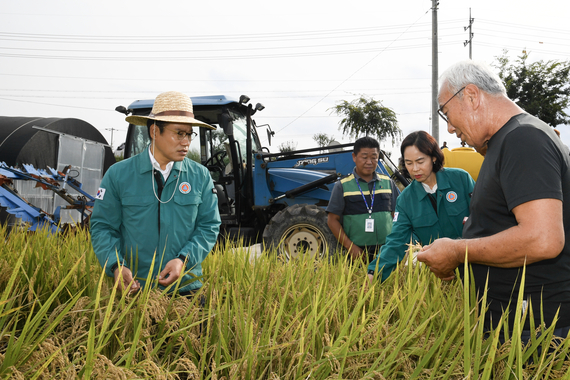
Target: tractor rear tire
[{"x": 299, "y": 229}]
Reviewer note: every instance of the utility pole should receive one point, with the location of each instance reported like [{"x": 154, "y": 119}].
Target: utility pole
[
  {"x": 469, "y": 41},
  {"x": 111, "y": 129},
  {"x": 434, "y": 73}
]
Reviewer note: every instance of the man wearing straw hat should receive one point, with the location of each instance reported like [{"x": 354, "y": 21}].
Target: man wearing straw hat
[{"x": 157, "y": 210}]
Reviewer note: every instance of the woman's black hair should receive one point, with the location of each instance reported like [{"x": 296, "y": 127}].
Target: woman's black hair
[{"x": 425, "y": 144}]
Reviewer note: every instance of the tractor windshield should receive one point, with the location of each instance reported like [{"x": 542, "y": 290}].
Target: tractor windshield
[
  {"x": 240, "y": 135},
  {"x": 220, "y": 147}
]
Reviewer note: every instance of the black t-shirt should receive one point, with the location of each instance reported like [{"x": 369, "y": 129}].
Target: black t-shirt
[{"x": 525, "y": 161}]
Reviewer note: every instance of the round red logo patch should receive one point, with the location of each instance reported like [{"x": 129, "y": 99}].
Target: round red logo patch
[{"x": 185, "y": 188}]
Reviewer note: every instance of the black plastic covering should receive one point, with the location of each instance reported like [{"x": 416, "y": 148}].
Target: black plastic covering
[{"x": 22, "y": 144}]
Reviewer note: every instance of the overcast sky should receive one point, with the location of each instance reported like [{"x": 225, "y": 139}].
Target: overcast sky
[{"x": 299, "y": 58}]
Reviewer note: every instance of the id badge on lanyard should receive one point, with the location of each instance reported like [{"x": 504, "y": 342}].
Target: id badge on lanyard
[{"x": 369, "y": 227}]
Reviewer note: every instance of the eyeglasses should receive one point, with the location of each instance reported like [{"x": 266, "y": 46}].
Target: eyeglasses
[
  {"x": 440, "y": 109},
  {"x": 180, "y": 135}
]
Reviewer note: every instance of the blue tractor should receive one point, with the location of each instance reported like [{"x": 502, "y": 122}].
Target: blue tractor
[{"x": 275, "y": 198}]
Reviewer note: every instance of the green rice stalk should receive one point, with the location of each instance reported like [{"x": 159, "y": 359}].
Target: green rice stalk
[
  {"x": 480, "y": 348},
  {"x": 264, "y": 319},
  {"x": 33, "y": 332},
  {"x": 564, "y": 352},
  {"x": 8, "y": 300},
  {"x": 487, "y": 371},
  {"x": 39, "y": 373},
  {"x": 467, "y": 354},
  {"x": 143, "y": 298},
  {"x": 88, "y": 368},
  {"x": 516, "y": 345}
]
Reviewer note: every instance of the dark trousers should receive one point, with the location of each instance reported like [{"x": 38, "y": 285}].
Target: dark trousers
[
  {"x": 560, "y": 332},
  {"x": 558, "y": 335},
  {"x": 371, "y": 251}
]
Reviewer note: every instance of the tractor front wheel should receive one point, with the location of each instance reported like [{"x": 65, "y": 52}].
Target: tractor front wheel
[{"x": 299, "y": 229}]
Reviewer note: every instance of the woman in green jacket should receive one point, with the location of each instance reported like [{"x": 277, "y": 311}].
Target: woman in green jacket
[{"x": 434, "y": 205}]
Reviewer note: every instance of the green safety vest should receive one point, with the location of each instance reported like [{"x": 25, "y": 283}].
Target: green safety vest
[{"x": 356, "y": 212}]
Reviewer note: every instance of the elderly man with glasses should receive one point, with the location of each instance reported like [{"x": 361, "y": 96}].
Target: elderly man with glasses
[
  {"x": 520, "y": 204},
  {"x": 157, "y": 210}
]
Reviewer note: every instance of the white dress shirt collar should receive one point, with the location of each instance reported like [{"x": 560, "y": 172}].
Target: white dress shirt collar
[{"x": 156, "y": 165}]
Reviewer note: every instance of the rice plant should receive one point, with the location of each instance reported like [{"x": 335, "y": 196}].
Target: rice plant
[{"x": 61, "y": 318}]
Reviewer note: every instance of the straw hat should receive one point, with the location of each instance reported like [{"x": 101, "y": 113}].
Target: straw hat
[{"x": 172, "y": 107}]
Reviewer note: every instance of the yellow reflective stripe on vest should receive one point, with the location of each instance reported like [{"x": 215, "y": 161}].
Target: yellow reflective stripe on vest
[
  {"x": 378, "y": 191},
  {"x": 346, "y": 179},
  {"x": 351, "y": 177}
]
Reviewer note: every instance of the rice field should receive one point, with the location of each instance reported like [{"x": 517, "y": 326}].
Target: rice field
[{"x": 61, "y": 318}]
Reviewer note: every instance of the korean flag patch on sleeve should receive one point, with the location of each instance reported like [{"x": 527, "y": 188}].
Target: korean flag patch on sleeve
[
  {"x": 395, "y": 217},
  {"x": 100, "y": 194}
]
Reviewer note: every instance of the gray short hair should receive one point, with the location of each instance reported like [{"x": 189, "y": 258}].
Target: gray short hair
[{"x": 471, "y": 72}]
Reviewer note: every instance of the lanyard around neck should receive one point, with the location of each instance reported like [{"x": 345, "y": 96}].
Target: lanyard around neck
[
  {"x": 153, "y": 179},
  {"x": 371, "y": 196}
]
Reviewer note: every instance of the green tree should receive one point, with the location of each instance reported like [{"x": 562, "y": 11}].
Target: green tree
[
  {"x": 287, "y": 146},
  {"x": 194, "y": 155},
  {"x": 366, "y": 116},
  {"x": 218, "y": 140},
  {"x": 540, "y": 88},
  {"x": 322, "y": 139}
]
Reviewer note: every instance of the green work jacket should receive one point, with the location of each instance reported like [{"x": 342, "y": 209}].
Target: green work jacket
[
  {"x": 415, "y": 219},
  {"x": 125, "y": 221}
]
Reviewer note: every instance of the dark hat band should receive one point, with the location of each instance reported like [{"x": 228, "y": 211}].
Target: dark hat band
[{"x": 173, "y": 113}]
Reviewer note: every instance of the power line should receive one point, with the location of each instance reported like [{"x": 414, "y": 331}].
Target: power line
[
  {"x": 285, "y": 93},
  {"x": 203, "y": 80},
  {"x": 191, "y": 57},
  {"x": 154, "y": 39},
  {"x": 294, "y": 96},
  {"x": 216, "y": 54},
  {"x": 525, "y": 26},
  {"x": 494, "y": 33},
  {"x": 51, "y": 92},
  {"x": 350, "y": 76},
  {"x": 55, "y": 105},
  {"x": 535, "y": 38},
  {"x": 196, "y": 51},
  {"x": 258, "y": 37},
  {"x": 509, "y": 47}
]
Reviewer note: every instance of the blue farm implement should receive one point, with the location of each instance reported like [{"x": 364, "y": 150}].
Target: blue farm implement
[{"x": 33, "y": 217}]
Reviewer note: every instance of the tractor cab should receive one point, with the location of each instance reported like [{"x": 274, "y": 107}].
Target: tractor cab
[{"x": 226, "y": 114}]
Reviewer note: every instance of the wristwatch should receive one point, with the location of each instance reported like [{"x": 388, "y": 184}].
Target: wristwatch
[
  {"x": 371, "y": 271},
  {"x": 181, "y": 257},
  {"x": 116, "y": 265}
]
